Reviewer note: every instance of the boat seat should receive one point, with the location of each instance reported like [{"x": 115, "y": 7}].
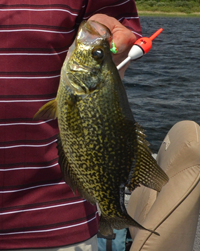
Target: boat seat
[{"x": 174, "y": 211}]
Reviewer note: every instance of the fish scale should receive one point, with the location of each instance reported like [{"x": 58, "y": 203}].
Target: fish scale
[
  {"x": 109, "y": 169},
  {"x": 101, "y": 148}
]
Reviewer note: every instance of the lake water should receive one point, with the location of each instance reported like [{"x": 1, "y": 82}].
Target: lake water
[{"x": 164, "y": 86}]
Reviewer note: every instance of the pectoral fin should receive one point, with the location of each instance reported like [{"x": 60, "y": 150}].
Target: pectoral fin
[{"x": 47, "y": 111}]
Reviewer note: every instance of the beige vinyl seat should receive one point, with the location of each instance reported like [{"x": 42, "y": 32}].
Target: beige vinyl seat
[{"x": 173, "y": 212}]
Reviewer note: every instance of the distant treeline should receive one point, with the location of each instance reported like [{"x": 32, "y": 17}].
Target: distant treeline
[{"x": 169, "y": 5}]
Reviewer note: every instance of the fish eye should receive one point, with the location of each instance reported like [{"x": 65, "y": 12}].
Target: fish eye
[{"x": 97, "y": 54}]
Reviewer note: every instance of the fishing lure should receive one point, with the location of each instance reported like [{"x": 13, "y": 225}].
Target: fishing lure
[{"x": 113, "y": 49}]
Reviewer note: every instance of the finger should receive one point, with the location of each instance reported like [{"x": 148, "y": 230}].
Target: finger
[{"x": 123, "y": 37}]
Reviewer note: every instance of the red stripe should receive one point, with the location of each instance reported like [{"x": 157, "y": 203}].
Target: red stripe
[{"x": 34, "y": 189}]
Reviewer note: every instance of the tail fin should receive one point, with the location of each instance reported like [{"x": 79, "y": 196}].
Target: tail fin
[{"x": 107, "y": 224}]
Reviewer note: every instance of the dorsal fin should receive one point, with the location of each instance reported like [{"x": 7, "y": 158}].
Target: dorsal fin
[
  {"x": 145, "y": 170},
  {"x": 47, "y": 111}
]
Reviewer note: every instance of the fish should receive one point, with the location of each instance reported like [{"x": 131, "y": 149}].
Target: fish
[{"x": 102, "y": 149}]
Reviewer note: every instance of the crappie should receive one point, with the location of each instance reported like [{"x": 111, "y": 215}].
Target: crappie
[{"x": 101, "y": 148}]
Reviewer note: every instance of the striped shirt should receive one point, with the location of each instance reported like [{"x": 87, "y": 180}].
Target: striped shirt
[{"x": 37, "y": 209}]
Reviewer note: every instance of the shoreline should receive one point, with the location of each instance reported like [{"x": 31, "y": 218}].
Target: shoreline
[{"x": 167, "y": 14}]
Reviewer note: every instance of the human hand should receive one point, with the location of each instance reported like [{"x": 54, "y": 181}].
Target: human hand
[{"x": 123, "y": 38}]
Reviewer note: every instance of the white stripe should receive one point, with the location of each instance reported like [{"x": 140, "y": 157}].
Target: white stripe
[
  {"x": 50, "y": 230},
  {"x": 26, "y": 101},
  {"x": 40, "y": 10},
  {"x": 128, "y": 18},
  {"x": 131, "y": 18},
  {"x": 28, "y": 168},
  {"x": 56, "y": 76},
  {"x": 43, "y": 208},
  {"x": 112, "y": 6},
  {"x": 29, "y": 188},
  {"x": 48, "y": 31},
  {"x": 32, "y": 54},
  {"x": 137, "y": 34},
  {"x": 24, "y": 123},
  {"x": 15, "y": 146}
]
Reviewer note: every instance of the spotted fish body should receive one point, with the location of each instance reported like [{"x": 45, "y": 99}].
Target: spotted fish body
[{"x": 101, "y": 148}]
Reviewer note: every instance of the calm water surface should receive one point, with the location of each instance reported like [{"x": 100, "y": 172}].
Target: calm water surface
[{"x": 164, "y": 86}]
